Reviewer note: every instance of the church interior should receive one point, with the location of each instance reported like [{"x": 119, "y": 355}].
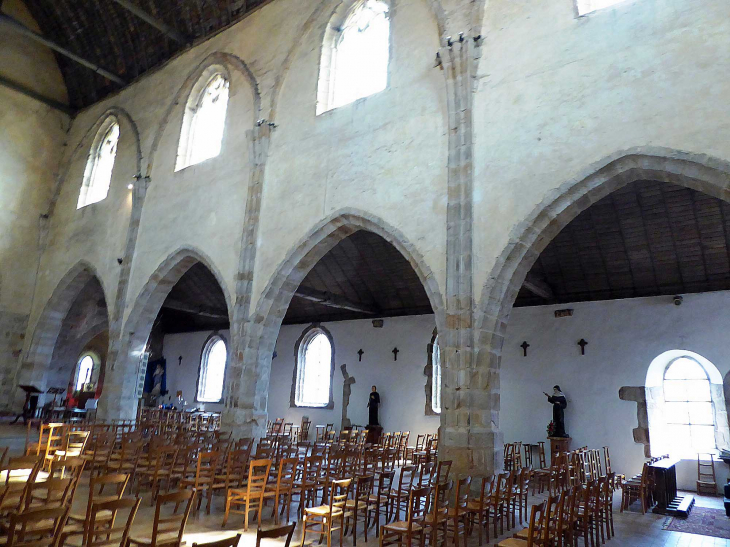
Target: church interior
[{"x": 393, "y": 271}]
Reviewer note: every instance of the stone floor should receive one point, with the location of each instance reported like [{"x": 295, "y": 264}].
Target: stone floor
[{"x": 632, "y": 528}]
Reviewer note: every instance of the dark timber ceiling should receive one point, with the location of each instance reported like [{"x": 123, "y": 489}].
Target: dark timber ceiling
[
  {"x": 362, "y": 271},
  {"x": 196, "y": 302},
  {"x": 647, "y": 239},
  {"x": 109, "y": 35}
]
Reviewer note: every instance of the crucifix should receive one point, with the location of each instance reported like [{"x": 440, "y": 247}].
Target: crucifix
[
  {"x": 395, "y": 354},
  {"x": 582, "y": 343},
  {"x": 359, "y": 354},
  {"x": 524, "y": 347},
  {"x": 179, "y": 361}
]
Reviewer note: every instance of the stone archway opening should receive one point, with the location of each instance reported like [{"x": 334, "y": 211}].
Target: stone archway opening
[
  {"x": 368, "y": 291},
  {"x": 613, "y": 247},
  {"x": 160, "y": 356},
  {"x": 75, "y": 322}
]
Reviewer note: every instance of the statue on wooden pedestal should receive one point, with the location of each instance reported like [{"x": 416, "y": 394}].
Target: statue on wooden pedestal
[{"x": 560, "y": 403}]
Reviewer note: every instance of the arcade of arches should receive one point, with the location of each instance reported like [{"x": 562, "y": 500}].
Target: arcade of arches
[{"x": 498, "y": 204}]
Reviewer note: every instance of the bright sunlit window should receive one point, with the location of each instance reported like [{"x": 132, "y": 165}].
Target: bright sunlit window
[
  {"x": 436, "y": 379},
  {"x": 355, "y": 56},
  {"x": 205, "y": 120},
  {"x": 314, "y": 370},
  {"x": 83, "y": 372},
  {"x": 99, "y": 167},
  {"x": 588, "y": 6},
  {"x": 690, "y": 420},
  {"x": 212, "y": 371}
]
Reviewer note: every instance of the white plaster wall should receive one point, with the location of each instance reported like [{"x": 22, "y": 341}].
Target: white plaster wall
[
  {"x": 623, "y": 337},
  {"x": 557, "y": 93},
  {"x": 385, "y": 154},
  {"x": 184, "y": 377},
  {"x": 401, "y": 383}
]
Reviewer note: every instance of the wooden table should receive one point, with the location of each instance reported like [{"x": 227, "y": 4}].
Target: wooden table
[{"x": 665, "y": 484}]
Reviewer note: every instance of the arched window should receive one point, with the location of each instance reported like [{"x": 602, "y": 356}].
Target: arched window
[
  {"x": 436, "y": 381},
  {"x": 315, "y": 365},
  {"x": 204, "y": 119},
  {"x": 685, "y": 405},
  {"x": 688, "y": 406},
  {"x": 84, "y": 372},
  {"x": 212, "y": 370},
  {"x": 99, "y": 167},
  {"x": 355, "y": 55}
]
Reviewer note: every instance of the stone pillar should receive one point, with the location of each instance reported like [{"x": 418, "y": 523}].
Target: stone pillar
[
  {"x": 247, "y": 389},
  {"x": 118, "y": 399},
  {"x": 469, "y": 434}
]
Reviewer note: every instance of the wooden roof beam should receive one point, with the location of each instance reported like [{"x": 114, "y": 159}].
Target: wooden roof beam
[
  {"x": 164, "y": 28},
  {"x": 538, "y": 287},
  {"x": 334, "y": 300},
  {"x": 17, "y": 26},
  {"x": 195, "y": 310}
]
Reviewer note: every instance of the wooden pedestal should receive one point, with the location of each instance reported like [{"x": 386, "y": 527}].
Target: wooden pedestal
[{"x": 558, "y": 445}]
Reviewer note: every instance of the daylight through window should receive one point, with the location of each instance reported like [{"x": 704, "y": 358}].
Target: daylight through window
[
  {"x": 688, "y": 408},
  {"x": 84, "y": 372},
  {"x": 436, "y": 379},
  {"x": 212, "y": 371},
  {"x": 98, "y": 174},
  {"x": 314, "y": 368},
  {"x": 588, "y": 6}
]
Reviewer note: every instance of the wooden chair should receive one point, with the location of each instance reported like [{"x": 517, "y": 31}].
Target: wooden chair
[
  {"x": 399, "y": 496},
  {"x": 36, "y": 527},
  {"x": 18, "y": 476},
  {"x": 118, "y": 483},
  {"x": 480, "y": 510},
  {"x": 634, "y": 489},
  {"x": 125, "y": 461},
  {"x": 357, "y": 507},
  {"x": 310, "y": 482},
  {"x": 251, "y": 497},
  {"x": 379, "y": 500},
  {"x": 458, "y": 514},
  {"x": 100, "y": 531},
  {"x": 585, "y": 513},
  {"x": 551, "y": 526},
  {"x": 412, "y": 528},
  {"x": 53, "y": 492},
  {"x": 74, "y": 444},
  {"x": 167, "y": 530},
  {"x": 158, "y": 471},
  {"x": 537, "y": 524},
  {"x": 706, "y": 481},
  {"x": 204, "y": 479},
  {"x": 273, "y": 533},
  {"x": 435, "y": 521},
  {"x": 321, "y": 520},
  {"x": 282, "y": 488}
]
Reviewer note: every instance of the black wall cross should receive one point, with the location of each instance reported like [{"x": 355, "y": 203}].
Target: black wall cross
[
  {"x": 582, "y": 343},
  {"x": 395, "y": 354},
  {"x": 359, "y": 354},
  {"x": 524, "y": 347}
]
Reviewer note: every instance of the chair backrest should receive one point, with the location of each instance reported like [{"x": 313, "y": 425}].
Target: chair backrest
[
  {"x": 103, "y": 533},
  {"x": 537, "y": 518},
  {"x": 57, "y": 492},
  {"x": 407, "y": 475},
  {"x": 272, "y": 533},
  {"x": 541, "y": 454},
  {"x": 206, "y": 468},
  {"x": 164, "y": 524},
  {"x": 36, "y": 527},
  {"x": 339, "y": 492},
  {"x": 426, "y": 475},
  {"x": 363, "y": 488},
  {"x": 20, "y": 476},
  {"x": 258, "y": 475},
  {"x": 462, "y": 492},
  {"x": 418, "y": 506},
  {"x": 442, "y": 472}
]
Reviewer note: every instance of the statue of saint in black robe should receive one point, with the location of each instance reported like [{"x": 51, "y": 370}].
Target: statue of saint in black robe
[
  {"x": 560, "y": 403},
  {"x": 373, "y": 404}
]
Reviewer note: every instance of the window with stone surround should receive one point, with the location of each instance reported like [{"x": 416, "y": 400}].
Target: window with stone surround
[
  {"x": 355, "y": 54},
  {"x": 100, "y": 164},
  {"x": 315, "y": 357},
  {"x": 432, "y": 370},
  {"x": 84, "y": 372},
  {"x": 204, "y": 119},
  {"x": 212, "y": 370},
  {"x": 685, "y": 405},
  {"x": 585, "y": 7}
]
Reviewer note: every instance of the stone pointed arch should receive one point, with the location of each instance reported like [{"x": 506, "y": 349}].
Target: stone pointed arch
[
  {"x": 34, "y": 365},
  {"x": 85, "y": 143},
  {"x": 228, "y": 61},
  {"x": 118, "y": 400},
  {"x": 247, "y": 390},
  {"x": 530, "y": 237}
]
